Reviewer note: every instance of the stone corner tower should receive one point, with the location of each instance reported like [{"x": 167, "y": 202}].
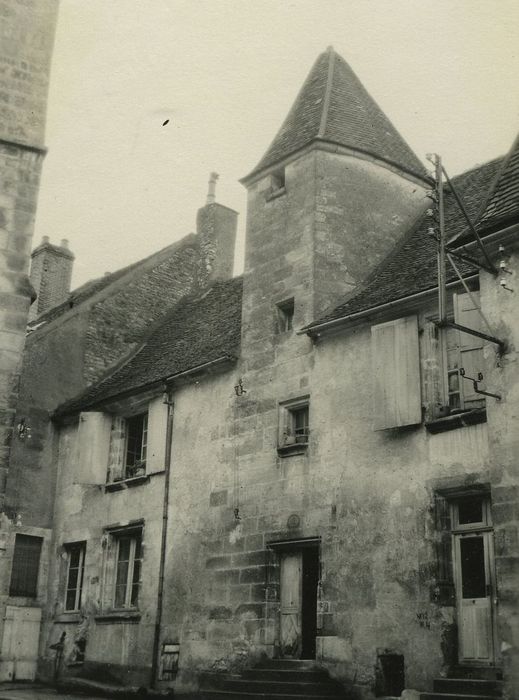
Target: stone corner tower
[
  {"x": 28, "y": 28},
  {"x": 334, "y": 192}
]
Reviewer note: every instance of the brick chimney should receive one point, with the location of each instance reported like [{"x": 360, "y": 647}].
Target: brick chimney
[
  {"x": 216, "y": 225},
  {"x": 51, "y": 273}
]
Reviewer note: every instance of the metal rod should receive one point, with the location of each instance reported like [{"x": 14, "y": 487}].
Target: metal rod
[
  {"x": 163, "y": 544},
  {"x": 442, "y": 273},
  {"x": 472, "y": 297},
  {"x": 469, "y": 222},
  {"x": 471, "y": 331},
  {"x": 469, "y": 259}
]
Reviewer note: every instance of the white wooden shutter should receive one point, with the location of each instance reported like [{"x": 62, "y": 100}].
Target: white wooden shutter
[
  {"x": 466, "y": 313},
  {"x": 93, "y": 441},
  {"x": 396, "y": 373},
  {"x": 157, "y": 425},
  {"x": 116, "y": 466}
]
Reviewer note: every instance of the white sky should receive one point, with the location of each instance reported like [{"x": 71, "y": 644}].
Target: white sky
[{"x": 120, "y": 186}]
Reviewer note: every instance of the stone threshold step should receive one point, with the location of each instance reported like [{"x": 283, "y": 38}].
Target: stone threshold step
[
  {"x": 455, "y": 696},
  {"x": 231, "y": 695}
]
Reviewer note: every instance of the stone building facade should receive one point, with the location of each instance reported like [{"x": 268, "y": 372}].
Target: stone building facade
[
  {"x": 26, "y": 40},
  {"x": 291, "y": 464}
]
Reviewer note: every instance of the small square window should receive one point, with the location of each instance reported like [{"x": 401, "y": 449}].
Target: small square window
[
  {"x": 285, "y": 311},
  {"x": 277, "y": 180},
  {"x": 294, "y": 426}
]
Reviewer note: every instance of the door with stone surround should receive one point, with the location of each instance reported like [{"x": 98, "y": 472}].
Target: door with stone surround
[{"x": 475, "y": 580}]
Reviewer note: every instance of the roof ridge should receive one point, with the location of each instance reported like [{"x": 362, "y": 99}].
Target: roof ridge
[{"x": 327, "y": 94}]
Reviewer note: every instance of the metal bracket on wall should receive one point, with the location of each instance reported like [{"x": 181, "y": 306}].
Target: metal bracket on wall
[
  {"x": 475, "y": 383},
  {"x": 471, "y": 331}
]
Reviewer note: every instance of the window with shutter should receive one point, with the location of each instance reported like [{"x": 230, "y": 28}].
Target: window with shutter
[
  {"x": 396, "y": 373},
  {"x": 443, "y": 590},
  {"x": 464, "y": 351},
  {"x": 26, "y": 566}
]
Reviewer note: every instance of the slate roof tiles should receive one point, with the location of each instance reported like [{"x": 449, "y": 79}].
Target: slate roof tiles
[{"x": 334, "y": 106}]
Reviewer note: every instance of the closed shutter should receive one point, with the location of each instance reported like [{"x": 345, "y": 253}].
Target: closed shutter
[
  {"x": 443, "y": 590},
  {"x": 26, "y": 566},
  {"x": 94, "y": 441},
  {"x": 466, "y": 313},
  {"x": 157, "y": 424},
  {"x": 396, "y": 373}
]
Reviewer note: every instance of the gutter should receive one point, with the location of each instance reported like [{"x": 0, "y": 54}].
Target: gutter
[
  {"x": 315, "y": 330},
  {"x": 156, "y": 383},
  {"x": 163, "y": 544}
]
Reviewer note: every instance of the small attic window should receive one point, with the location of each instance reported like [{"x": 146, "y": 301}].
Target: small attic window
[
  {"x": 285, "y": 311},
  {"x": 277, "y": 184}
]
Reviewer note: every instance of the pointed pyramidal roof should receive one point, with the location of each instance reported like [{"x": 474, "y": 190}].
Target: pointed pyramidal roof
[
  {"x": 502, "y": 205},
  {"x": 334, "y": 107}
]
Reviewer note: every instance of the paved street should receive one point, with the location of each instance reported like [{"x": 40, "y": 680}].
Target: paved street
[{"x": 19, "y": 692}]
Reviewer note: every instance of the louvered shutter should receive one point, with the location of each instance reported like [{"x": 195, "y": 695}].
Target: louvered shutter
[
  {"x": 466, "y": 313},
  {"x": 93, "y": 441},
  {"x": 396, "y": 373},
  {"x": 157, "y": 424}
]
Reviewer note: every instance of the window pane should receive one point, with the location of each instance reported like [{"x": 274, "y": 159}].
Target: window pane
[
  {"x": 70, "y": 602},
  {"x": 26, "y": 564},
  {"x": 120, "y": 596},
  {"x": 124, "y": 549},
  {"x": 473, "y": 579},
  {"x": 470, "y": 510},
  {"x": 75, "y": 553},
  {"x": 72, "y": 578}
]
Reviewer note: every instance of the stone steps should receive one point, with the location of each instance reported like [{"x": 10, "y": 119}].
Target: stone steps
[
  {"x": 467, "y": 683},
  {"x": 282, "y": 679}
]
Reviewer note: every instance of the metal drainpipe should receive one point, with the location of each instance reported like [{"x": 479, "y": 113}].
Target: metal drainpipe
[{"x": 164, "y": 535}]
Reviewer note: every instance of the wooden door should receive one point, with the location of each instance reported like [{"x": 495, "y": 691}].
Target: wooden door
[
  {"x": 20, "y": 643},
  {"x": 291, "y": 604},
  {"x": 475, "y": 596}
]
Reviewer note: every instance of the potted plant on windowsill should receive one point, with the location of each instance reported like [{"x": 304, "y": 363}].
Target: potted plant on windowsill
[{"x": 138, "y": 468}]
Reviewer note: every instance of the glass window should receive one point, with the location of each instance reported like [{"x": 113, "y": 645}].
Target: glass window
[
  {"x": 136, "y": 444},
  {"x": 470, "y": 510},
  {"x": 75, "y": 572},
  {"x": 128, "y": 570},
  {"x": 285, "y": 316},
  {"x": 473, "y": 579}
]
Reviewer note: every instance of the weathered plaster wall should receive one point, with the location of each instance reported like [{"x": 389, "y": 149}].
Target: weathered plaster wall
[
  {"x": 502, "y": 310},
  {"x": 118, "y": 648}
]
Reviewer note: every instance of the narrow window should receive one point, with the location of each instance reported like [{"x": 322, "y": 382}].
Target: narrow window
[
  {"x": 128, "y": 569},
  {"x": 75, "y": 571},
  {"x": 277, "y": 180},
  {"x": 300, "y": 423},
  {"x": 136, "y": 445},
  {"x": 26, "y": 565},
  {"x": 285, "y": 310}
]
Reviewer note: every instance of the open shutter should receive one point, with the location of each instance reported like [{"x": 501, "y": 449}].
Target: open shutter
[
  {"x": 470, "y": 346},
  {"x": 94, "y": 441},
  {"x": 157, "y": 425},
  {"x": 396, "y": 372},
  {"x": 443, "y": 590},
  {"x": 116, "y": 466}
]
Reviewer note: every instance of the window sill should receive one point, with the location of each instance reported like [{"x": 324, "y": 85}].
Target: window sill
[
  {"x": 127, "y": 483},
  {"x": 458, "y": 420},
  {"x": 118, "y": 616},
  {"x": 68, "y": 617},
  {"x": 298, "y": 448},
  {"x": 275, "y": 194}
]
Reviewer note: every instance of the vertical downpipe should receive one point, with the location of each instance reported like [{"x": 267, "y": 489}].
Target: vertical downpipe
[{"x": 163, "y": 542}]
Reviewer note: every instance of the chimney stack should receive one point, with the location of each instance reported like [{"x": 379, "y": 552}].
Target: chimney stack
[
  {"x": 51, "y": 274},
  {"x": 216, "y": 226},
  {"x": 211, "y": 193}
]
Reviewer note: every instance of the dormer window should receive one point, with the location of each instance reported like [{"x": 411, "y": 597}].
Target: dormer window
[{"x": 285, "y": 311}]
